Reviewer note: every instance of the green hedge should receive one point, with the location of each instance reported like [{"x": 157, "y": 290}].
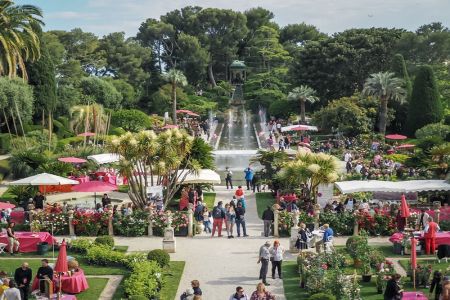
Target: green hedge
[
  {"x": 105, "y": 240},
  {"x": 145, "y": 280},
  {"x": 80, "y": 245},
  {"x": 161, "y": 257}
]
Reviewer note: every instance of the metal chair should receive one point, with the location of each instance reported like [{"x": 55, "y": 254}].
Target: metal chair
[{"x": 2, "y": 247}]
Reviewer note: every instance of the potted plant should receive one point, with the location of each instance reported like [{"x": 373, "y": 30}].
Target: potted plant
[{"x": 366, "y": 270}]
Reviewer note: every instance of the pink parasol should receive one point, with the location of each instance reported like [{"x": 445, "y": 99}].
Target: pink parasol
[
  {"x": 187, "y": 112},
  {"x": 72, "y": 160},
  {"x": 404, "y": 209},
  {"x": 86, "y": 134},
  {"x": 169, "y": 126},
  {"x": 61, "y": 262},
  {"x": 94, "y": 187},
  {"x": 396, "y": 137},
  {"x": 413, "y": 259},
  {"x": 6, "y": 205},
  {"x": 405, "y": 146}
]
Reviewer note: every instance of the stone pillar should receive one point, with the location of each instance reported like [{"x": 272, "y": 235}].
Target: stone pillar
[
  {"x": 294, "y": 232},
  {"x": 437, "y": 211},
  {"x": 150, "y": 223},
  {"x": 71, "y": 227},
  {"x": 275, "y": 223},
  {"x": 169, "y": 243},
  {"x": 316, "y": 216},
  {"x": 110, "y": 223},
  {"x": 190, "y": 220}
]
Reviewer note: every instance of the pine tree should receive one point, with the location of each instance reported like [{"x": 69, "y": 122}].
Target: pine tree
[
  {"x": 425, "y": 106},
  {"x": 398, "y": 67}
]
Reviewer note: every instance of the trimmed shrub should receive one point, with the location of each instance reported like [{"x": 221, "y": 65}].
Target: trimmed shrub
[
  {"x": 80, "y": 245},
  {"x": 398, "y": 157},
  {"x": 436, "y": 129},
  {"x": 104, "y": 256},
  {"x": 160, "y": 256},
  {"x": 105, "y": 240},
  {"x": 131, "y": 120},
  {"x": 117, "y": 131},
  {"x": 322, "y": 296},
  {"x": 144, "y": 281}
]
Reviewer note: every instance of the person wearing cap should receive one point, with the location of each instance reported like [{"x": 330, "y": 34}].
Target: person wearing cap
[{"x": 264, "y": 257}]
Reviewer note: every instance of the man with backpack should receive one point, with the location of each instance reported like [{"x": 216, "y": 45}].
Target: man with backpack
[{"x": 218, "y": 215}]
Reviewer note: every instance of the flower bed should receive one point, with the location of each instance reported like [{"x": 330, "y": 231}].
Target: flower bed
[
  {"x": 46, "y": 221},
  {"x": 91, "y": 223},
  {"x": 134, "y": 225},
  {"x": 179, "y": 221}
]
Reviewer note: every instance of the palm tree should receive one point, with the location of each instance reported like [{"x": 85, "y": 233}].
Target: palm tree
[
  {"x": 303, "y": 93},
  {"x": 175, "y": 78},
  {"x": 386, "y": 87},
  {"x": 19, "y": 36}
]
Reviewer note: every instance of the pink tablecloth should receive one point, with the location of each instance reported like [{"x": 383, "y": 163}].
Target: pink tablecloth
[
  {"x": 414, "y": 296},
  {"x": 17, "y": 217},
  {"x": 110, "y": 179},
  {"x": 442, "y": 238},
  {"x": 82, "y": 179},
  {"x": 74, "y": 284},
  {"x": 29, "y": 240}
]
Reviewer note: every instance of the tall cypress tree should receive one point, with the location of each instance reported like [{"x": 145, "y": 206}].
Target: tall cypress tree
[
  {"x": 398, "y": 67},
  {"x": 425, "y": 106},
  {"x": 41, "y": 75}
]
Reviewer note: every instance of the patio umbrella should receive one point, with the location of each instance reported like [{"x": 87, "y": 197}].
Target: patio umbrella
[
  {"x": 187, "y": 112},
  {"x": 300, "y": 128},
  {"x": 86, "y": 134},
  {"x": 413, "y": 259},
  {"x": 396, "y": 137},
  {"x": 203, "y": 176},
  {"x": 94, "y": 187},
  {"x": 72, "y": 160},
  {"x": 404, "y": 209},
  {"x": 61, "y": 263},
  {"x": 6, "y": 205},
  {"x": 405, "y": 146},
  {"x": 169, "y": 126},
  {"x": 44, "y": 179}
]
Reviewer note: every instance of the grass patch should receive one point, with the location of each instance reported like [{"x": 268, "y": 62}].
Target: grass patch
[
  {"x": 442, "y": 266},
  {"x": 387, "y": 251},
  {"x": 262, "y": 201},
  {"x": 122, "y": 249},
  {"x": 123, "y": 188},
  {"x": 172, "y": 278},
  {"x": 96, "y": 287},
  {"x": 209, "y": 199}
]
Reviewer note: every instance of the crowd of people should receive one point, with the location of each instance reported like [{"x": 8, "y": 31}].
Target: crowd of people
[{"x": 19, "y": 287}]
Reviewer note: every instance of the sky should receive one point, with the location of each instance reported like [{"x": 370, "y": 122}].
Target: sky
[{"x": 104, "y": 16}]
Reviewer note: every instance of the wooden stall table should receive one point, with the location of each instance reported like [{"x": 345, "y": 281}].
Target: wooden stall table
[{"x": 29, "y": 240}]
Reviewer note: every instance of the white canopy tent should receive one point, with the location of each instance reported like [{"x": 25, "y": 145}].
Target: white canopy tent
[
  {"x": 356, "y": 186},
  {"x": 203, "y": 176},
  {"x": 44, "y": 179},
  {"x": 289, "y": 128},
  {"x": 104, "y": 158}
]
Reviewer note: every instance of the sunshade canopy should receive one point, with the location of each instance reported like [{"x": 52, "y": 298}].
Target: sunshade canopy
[
  {"x": 104, "y": 158},
  {"x": 5, "y": 205},
  {"x": 187, "y": 112},
  {"x": 405, "y": 146},
  {"x": 299, "y": 128},
  {"x": 203, "y": 176},
  {"x": 94, "y": 187},
  {"x": 396, "y": 137},
  {"x": 169, "y": 126},
  {"x": 73, "y": 160},
  {"x": 86, "y": 134},
  {"x": 44, "y": 179},
  {"x": 356, "y": 186}
]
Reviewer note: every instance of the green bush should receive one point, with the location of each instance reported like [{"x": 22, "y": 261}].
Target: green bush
[
  {"x": 435, "y": 129},
  {"x": 444, "y": 225},
  {"x": 5, "y": 169},
  {"x": 322, "y": 296},
  {"x": 134, "y": 297},
  {"x": 144, "y": 281},
  {"x": 5, "y": 142},
  {"x": 429, "y": 142},
  {"x": 400, "y": 158},
  {"x": 131, "y": 120},
  {"x": 160, "y": 256},
  {"x": 105, "y": 240},
  {"x": 80, "y": 245},
  {"x": 104, "y": 256},
  {"x": 117, "y": 131},
  {"x": 353, "y": 245},
  {"x": 134, "y": 225},
  {"x": 131, "y": 259},
  {"x": 71, "y": 141}
]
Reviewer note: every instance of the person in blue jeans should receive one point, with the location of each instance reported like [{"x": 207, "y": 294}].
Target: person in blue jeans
[
  {"x": 240, "y": 219},
  {"x": 248, "y": 177}
]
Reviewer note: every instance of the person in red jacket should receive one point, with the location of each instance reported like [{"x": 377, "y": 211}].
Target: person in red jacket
[{"x": 430, "y": 236}]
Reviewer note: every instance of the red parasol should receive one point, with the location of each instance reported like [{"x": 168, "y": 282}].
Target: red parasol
[
  {"x": 396, "y": 137},
  {"x": 405, "y": 146},
  {"x": 187, "y": 112},
  {"x": 404, "y": 209},
  {"x": 86, "y": 134},
  {"x": 61, "y": 262},
  {"x": 169, "y": 126},
  {"x": 6, "y": 205},
  {"x": 72, "y": 160}
]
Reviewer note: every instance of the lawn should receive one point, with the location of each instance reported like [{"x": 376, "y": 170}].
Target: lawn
[
  {"x": 387, "y": 251},
  {"x": 172, "y": 279},
  {"x": 209, "y": 199},
  {"x": 262, "y": 201},
  {"x": 96, "y": 286},
  {"x": 442, "y": 266}
]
